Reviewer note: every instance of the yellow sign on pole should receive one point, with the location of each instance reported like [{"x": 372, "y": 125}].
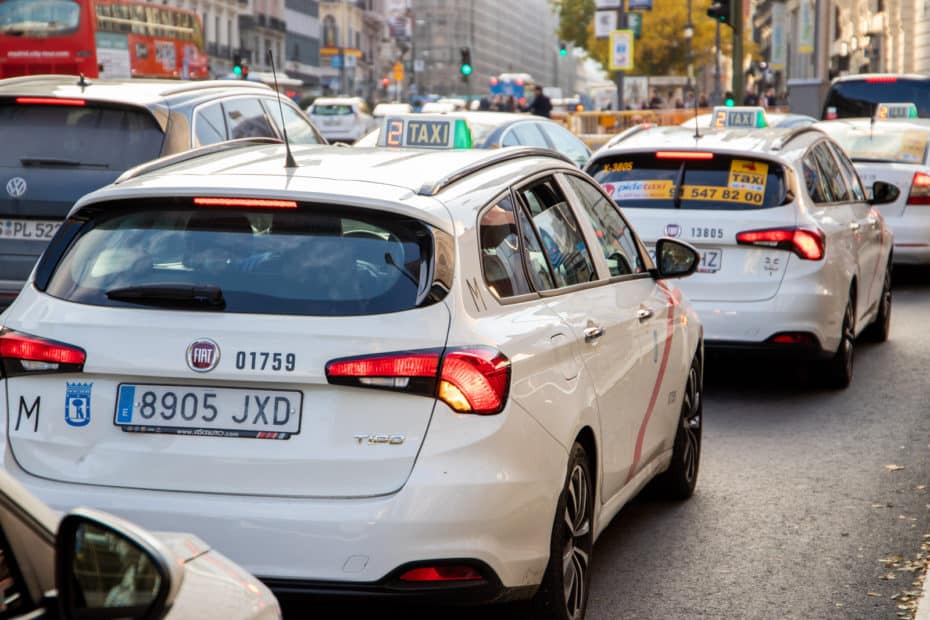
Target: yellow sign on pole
[
  {"x": 398, "y": 72},
  {"x": 621, "y": 50}
]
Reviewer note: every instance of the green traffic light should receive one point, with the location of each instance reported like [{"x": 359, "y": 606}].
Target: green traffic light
[
  {"x": 563, "y": 52},
  {"x": 237, "y": 70},
  {"x": 729, "y": 103},
  {"x": 465, "y": 69}
]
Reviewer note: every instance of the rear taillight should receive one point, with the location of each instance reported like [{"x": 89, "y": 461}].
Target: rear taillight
[
  {"x": 809, "y": 244},
  {"x": 22, "y": 354},
  {"x": 699, "y": 155},
  {"x": 260, "y": 203},
  {"x": 468, "y": 379},
  {"x": 50, "y": 101},
  {"x": 881, "y": 79},
  {"x": 920, "y": 189},
  {"x": 802, "y": 339}
]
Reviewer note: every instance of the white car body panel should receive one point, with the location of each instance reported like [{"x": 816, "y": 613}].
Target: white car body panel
[{"x": 910, "y": 223}]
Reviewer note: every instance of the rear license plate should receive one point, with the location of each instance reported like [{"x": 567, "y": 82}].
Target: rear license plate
[
  {"x": 35, "y": 230},
  {"x": 208, "y": 411},
  {"x": 711, "y": 259}
]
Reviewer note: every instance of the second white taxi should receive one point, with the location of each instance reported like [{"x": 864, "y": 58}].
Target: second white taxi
[
  {"x": 795, "y": 259},
  {"x": 373, "y": 372}
]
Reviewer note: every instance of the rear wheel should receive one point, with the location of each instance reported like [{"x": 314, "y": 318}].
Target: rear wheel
[
  {"x": 838, "y": 371},
  {"x": 563, "y": 594},
  {"x": 679, "y": 480},
  {"x": 879, "y": 329}
]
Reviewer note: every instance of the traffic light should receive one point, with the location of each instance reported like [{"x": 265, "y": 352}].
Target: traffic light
[
  {"x": 385, "y": 82},
  {"x": 465, "y": 62},
  {"x": 722, "y": 11},
  {"x": 728, "y": 99},
  {"x": 563, "y": 49},
  {"x": 237, "y": 65}
]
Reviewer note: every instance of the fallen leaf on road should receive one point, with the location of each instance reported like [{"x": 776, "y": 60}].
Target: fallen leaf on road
[
  {"x": 873, "y": 593},
  {"x": 920, "y": 487},
  {"x": 893, "y": 467}
]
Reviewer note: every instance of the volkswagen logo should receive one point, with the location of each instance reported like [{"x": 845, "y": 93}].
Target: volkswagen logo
[
  {"x": 203, "y": 355},
  {"x": 672, "y": 230},
  {"x": 16, "y": 187}
]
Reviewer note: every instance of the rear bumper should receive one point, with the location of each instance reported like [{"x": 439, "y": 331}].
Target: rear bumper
[{"x": 482, "y": 489}]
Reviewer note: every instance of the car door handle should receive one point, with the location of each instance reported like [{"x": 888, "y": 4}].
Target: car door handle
[
  {"x": 854, "y": 226},
  {"x": 593, "y": 333},
  {"x": 644, "y": 314}
]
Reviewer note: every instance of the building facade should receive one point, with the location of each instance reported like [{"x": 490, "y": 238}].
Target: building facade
[
  {"x": 503, "y": 36},
  {"x": 302, "y": 44}
]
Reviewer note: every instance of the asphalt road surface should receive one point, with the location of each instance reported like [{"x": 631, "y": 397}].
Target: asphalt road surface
[{"x": 810, "y": 503}]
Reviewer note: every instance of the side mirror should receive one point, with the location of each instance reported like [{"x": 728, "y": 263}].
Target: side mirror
[
  {"x": 675, "y": 259},
  {"x": 107, "y": 568},
  {"x": 883, "y": 193}
]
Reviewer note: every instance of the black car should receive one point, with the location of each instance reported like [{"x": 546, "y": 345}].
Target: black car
[
  {"x": 64, "y": 136},
  {"x": 856, "y": 96}
]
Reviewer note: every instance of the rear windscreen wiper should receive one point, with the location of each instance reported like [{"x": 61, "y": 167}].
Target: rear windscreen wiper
[
  {"x": 204, "y": 297},
  {"x": 56, "y": 161}
]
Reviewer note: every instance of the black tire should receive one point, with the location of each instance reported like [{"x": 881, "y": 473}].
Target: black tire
[
  {"x": 880, "y": 328},
  {"x": 563, "y": 594},
  {"x": 838, "y": 370},
  {"x": 679, "y": 480}
]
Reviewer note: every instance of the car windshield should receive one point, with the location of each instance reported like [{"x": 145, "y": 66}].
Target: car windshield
[
  {"x": 720, "y": 182},
  {"x": 859, "y": 97},
  {"x": 331, "y": 109},
  {"x": 39, "y": 19},
  {"x": 287, "y": 261},
  {"x": 906, "y": 144},
  {"x": 78, "y": 136}
]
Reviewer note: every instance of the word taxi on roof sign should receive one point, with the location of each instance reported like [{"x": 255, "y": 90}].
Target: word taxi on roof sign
[
  {"x": 422, "y": 131},
  {"x": 743, "y": 117},
  {"x": 885, "y": 111}
]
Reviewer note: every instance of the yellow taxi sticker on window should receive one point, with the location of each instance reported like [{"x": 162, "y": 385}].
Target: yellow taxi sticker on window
[
  {"x": 618, "y": 166},
  {"x": 748, "y": 174},
  {"x": 722, "y": 194},
  {"x": 913, "y": 148},
  {"x": 640, "y": 190}
]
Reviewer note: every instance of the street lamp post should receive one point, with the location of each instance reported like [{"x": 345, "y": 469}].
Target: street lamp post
[{"x": 689, "y": 35}]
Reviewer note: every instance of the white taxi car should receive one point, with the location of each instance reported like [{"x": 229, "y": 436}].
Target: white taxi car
[
  {"x": 794, "y": 258},
  {"x": 380, "y": 371},
  {"x": 896, "y": 152}
]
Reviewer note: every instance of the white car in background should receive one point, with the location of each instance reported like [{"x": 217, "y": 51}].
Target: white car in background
[
  {"x": 388, "y": 109},
  {"x": 411, "y": 373},
  {"x": 341, "y": 119},
  {"x": 794, "y": 258},
  {"x": 896, "y": 152}
]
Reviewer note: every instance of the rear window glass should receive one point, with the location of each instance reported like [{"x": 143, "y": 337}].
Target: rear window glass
[
  {"x": 858, "y": 98},
  {"x": 73, "y": 136},
  {"x": 261, "y": 261},
  {"x": 39, "y": 19},
  {"x": 722, "y": 183},
  {"x": 331, "y": 110},
  {"x": 902, "y": 144}
]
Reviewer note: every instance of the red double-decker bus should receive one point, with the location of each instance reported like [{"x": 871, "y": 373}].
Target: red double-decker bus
[{"x": 100, "y": 38}]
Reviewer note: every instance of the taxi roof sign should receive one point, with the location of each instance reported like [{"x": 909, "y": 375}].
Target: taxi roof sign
[
  {"x": 744, "y": 117},
  {"x": 425, "y": 131},
  {"x": 885, "y": 111}
]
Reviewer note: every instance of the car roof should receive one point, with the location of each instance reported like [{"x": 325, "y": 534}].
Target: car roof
[
  {"x": 141, "y": 92},
  {"x": 862, "y": 77},
  {"x": 256, "y": 169},
  {"x": 769, "y": 141},
  {"x": 335, "y": 100}
]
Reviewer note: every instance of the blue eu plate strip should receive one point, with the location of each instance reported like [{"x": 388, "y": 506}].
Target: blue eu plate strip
[{"x": 127, "y": 394}]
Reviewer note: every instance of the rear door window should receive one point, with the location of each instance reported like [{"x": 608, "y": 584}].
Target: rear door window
[
  {"x": 525, "y": 134},
  {"x": 719, "y": 182},
  {"x": 849, "y": 173},
  {"x": 830, "y": 172},
  {"x": 307, "y": 261},
  {"x": 566, "y": 143},
  {"x": 78, "y": 136},
  {"x": 501, "y": 259},
  {"x": 246, "y": 118},
  {"x": 299, "y": 130},
  {"x": 209, "y": 125},
  {"x": 558, "y": 233}
]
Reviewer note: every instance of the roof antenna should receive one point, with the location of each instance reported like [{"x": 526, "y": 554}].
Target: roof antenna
[
  {"x": 697, "y": 126},
  {"x": 872, "y": 121},
  {"x": 289, "y": 163},
  {"x": 83, "y": 83}
]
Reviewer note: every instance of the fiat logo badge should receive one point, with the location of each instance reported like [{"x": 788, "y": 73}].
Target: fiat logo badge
[
  {"x": 16, "y": 187},
  {"x": 673, "y": 230},
  {"x": 203, "y": 355}
]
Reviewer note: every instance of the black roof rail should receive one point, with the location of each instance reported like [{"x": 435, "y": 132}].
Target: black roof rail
[
  {"x": 164, "y": 162},
  {"x": 496, "y": 156},
  {"x": 793, "y": 133}
]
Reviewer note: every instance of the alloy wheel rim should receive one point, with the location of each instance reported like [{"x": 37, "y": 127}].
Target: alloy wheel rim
[
  {"x": 691, "y": 426},
  {"x": 576, "y": 554}
]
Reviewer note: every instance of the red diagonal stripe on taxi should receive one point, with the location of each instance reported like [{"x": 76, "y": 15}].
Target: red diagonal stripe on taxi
[{"x": 663, "y": 365}]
